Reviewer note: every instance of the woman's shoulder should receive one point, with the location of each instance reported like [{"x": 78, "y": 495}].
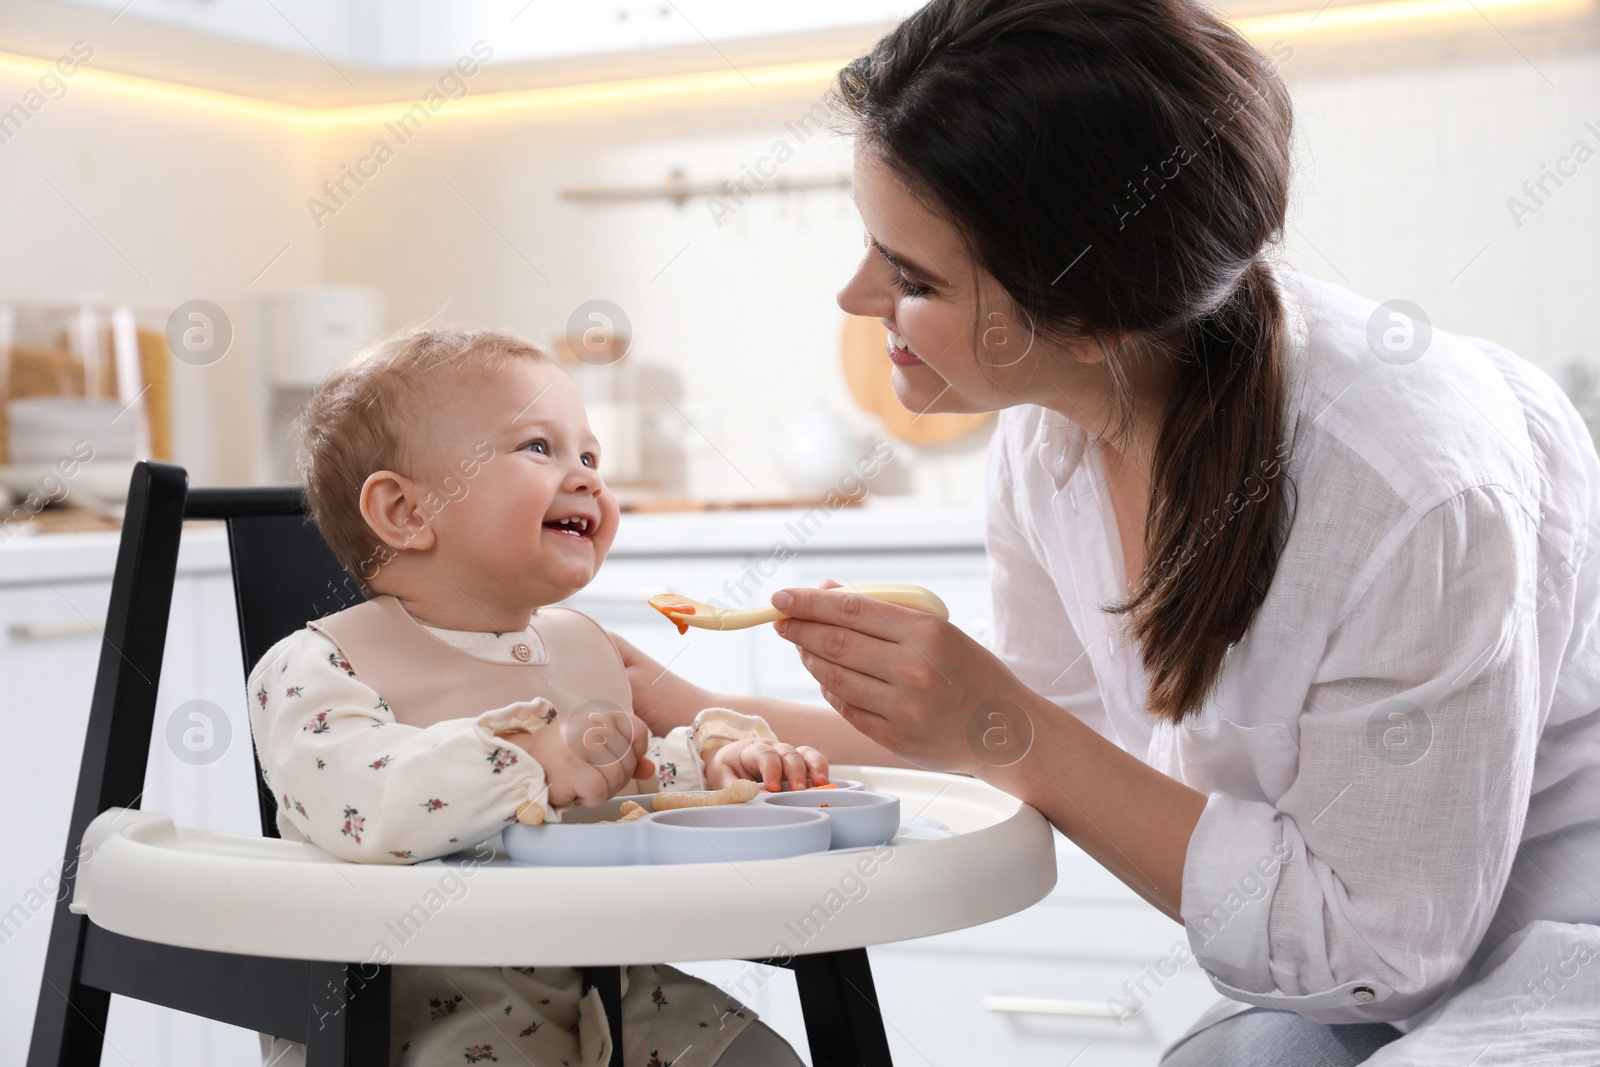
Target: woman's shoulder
[{"x": 1420, "y": 412}]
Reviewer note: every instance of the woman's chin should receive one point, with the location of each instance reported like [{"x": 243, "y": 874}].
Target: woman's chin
[{"x": 921, "y": 390}]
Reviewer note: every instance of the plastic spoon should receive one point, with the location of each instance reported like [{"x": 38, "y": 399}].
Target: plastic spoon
[{"x": 685, "y": 612}]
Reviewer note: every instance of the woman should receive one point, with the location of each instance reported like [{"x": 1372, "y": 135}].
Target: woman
[{"x": 1288, "y": 590}]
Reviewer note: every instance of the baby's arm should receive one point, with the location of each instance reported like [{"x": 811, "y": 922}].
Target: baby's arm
[
  {"x": 363, "y": 787},
  {"x": 723, "y": 745}
]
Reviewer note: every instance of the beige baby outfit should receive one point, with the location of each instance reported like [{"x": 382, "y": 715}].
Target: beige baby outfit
[{"x": 372, "y": 732}]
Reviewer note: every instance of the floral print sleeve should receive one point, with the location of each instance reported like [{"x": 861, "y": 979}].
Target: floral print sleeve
[
  {"x": 362, "y": 787},
  {"x": 678, "y": 756}
]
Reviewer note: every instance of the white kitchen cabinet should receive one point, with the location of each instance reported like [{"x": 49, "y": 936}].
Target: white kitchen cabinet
[
  {"x": 1076, "y": 949},
  {"x": 1089, "y": 941},
  {"x": 53, "y": 596}
]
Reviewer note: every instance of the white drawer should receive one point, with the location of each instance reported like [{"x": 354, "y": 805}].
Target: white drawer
[{"x": 1041, "y": 1009}]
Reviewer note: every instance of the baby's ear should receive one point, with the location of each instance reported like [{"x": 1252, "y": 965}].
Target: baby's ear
[{"x": 392, "y": 505}]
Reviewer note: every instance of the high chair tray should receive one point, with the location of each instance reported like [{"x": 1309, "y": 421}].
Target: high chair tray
[{"x": 141, "y": 876}]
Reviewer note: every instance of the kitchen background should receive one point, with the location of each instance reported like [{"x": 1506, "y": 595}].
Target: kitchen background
[
  {"x": 1412, "y": 137},
  {"x": 196, "y": 153}
]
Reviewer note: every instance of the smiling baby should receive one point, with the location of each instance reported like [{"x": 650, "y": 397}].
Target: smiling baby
[{"x": 455, "y": 476}]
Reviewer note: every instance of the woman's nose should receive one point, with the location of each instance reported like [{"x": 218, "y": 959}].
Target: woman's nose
[{"x": 865, "y": 294}]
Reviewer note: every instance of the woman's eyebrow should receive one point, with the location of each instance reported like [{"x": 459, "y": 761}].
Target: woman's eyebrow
[{"x": 898, "y": 260}]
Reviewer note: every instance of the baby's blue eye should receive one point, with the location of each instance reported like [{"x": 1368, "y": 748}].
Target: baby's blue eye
[
  {"x": 538, "y": 444},
  {"x": 589, "y": 459}
]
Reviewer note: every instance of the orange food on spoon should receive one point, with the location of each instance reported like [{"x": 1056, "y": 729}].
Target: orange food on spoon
[{"x": 672, "y": 610}]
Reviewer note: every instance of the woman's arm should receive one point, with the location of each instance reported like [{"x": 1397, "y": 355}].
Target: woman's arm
[
  {"x": 664, "y": 701},
  {"x": 1131, "y": 818}
]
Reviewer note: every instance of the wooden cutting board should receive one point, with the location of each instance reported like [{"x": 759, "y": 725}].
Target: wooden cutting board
[{"x": 869, "y": 374}]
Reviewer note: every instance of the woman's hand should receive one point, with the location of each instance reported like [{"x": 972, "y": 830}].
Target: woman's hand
[
  {"x": 911, "y": 681},
  {"x": 662, "y": 699},
  {"x": 767, "y": 762}
]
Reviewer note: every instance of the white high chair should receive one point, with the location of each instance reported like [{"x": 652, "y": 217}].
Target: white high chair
[{"x": 205, "y": 922}]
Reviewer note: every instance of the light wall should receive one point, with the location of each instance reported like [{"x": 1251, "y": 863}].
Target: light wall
[
  {"x": 1403, "y": 172},
  {"x": 107, "y": 199}
]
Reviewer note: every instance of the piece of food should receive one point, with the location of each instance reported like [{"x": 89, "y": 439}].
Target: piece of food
[
  {"x": 632, "y": 811},
  {"x": 740, "y": 792},
  {"x": 530, "y": 814},
  {"x": 672, "y": 608}
]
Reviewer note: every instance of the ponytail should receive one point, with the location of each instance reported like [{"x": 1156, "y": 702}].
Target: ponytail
[{"x": 1220, "y": 499}]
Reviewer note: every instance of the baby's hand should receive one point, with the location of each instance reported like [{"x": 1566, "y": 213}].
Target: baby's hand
[
  {"x": 767, "y": 762},
  {"x": 589, "y": 756}
]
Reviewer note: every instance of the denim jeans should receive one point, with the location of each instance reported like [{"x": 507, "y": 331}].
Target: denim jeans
[{"x": 1261, "y": 1037}]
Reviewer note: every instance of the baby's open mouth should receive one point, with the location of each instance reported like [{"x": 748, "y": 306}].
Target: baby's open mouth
[{"x": 580, "y": 526}]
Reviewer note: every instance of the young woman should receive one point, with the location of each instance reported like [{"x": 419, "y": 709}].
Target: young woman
[{"x": 1297, "y": 627}]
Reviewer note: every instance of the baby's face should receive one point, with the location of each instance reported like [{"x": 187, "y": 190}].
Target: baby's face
[{"x": 501, "y": 531}]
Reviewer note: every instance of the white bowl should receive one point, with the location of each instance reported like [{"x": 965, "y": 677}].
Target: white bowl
[
  {"x": 856, "y": 818},
  {"x": 729, "y": 833},
  {"x": 585, "y": 837},
  {"x": 842, "y": 783},
  {"x": 578, "y": 840}
]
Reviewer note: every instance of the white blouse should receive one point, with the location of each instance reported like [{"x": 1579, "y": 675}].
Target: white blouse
[{"x": 1402, "y": 755}]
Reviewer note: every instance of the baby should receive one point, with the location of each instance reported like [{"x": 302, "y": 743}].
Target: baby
[{"x": 454, "y": 475}]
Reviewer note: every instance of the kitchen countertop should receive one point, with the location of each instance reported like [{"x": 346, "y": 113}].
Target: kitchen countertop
[{"x": 872, "y": 527}]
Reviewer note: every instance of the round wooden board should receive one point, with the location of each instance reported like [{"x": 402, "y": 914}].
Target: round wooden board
[{"x": 870, "y": 376}]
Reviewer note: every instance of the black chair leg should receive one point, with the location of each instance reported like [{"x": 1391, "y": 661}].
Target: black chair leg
[
  {"x": 348, "y": 1024},
  {"x": 70, "y": 1025},
  {"x": 843, "y": 1024},
  {"x": 608, "y": 980}
]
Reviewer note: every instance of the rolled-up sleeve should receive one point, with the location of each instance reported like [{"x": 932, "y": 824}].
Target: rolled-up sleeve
[
  {"x": 359, "y": 785},
  {"x": 1366, "y": 888}
]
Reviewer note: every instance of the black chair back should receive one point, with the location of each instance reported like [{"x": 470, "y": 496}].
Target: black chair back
[{"x": 284, "y": 575}]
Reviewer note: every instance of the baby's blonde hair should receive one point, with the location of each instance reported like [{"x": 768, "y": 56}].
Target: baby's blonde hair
[{"x": 362, "y": 419}]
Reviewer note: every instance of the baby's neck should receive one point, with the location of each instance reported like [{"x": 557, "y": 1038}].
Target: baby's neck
[
  {"x": 460, "y": 600},
  {"x": 457, "y": 611}
]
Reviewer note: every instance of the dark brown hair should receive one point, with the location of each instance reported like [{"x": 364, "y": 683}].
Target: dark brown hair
[{"x": 1118, "y": 167}]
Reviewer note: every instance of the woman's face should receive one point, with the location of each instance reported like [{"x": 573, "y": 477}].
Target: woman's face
[{"x": 955, "y": 340}]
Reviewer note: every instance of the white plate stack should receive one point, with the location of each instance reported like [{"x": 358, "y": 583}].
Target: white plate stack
[{"x": 50, "y": 429}]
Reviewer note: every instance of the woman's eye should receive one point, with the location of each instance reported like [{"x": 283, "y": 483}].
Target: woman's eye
[{"x": 908, "y": 287}]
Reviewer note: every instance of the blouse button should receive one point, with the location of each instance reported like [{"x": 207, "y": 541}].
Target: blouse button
[
  {"x": 522, "y": 651},
  {"x": 1363, "y": 993}
]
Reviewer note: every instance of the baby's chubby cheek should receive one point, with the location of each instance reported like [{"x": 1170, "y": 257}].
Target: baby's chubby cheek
[{"x": 610, "y": 518}]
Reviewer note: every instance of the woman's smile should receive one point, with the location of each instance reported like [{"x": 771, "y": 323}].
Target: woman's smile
[{"x": 900, "y": 349}]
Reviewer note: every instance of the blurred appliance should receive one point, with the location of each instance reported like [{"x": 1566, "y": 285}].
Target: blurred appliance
[
  {"x": 300, "y": 335},
  {"x": 596, "y": 356}
]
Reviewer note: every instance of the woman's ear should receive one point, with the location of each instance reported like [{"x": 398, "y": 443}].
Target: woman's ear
[
  {"x": 1098, "y": 348},
  {"x": 391, "y": 504}
]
